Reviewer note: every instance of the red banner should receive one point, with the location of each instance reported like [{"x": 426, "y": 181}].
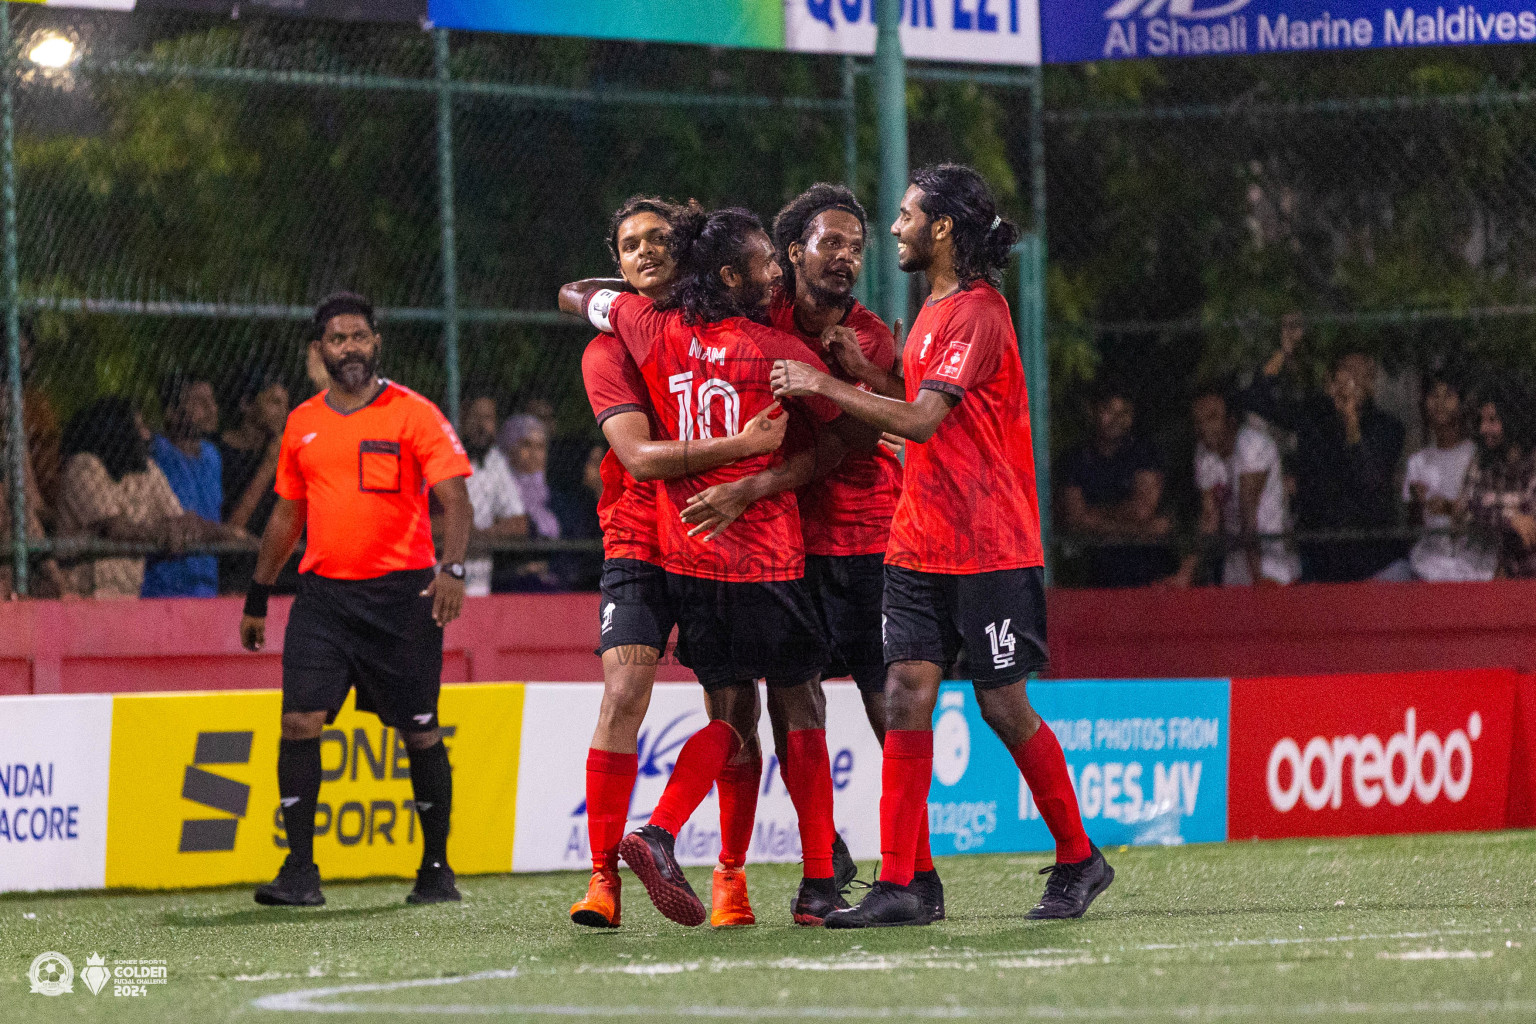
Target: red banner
[{"x": 1370, "y": 754}]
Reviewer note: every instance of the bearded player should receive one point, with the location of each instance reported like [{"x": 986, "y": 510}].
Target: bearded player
[
  {"x": 636, "y": 613},
  {"x": 964, "y": 569}
]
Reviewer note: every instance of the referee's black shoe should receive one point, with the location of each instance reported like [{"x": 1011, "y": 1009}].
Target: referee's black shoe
[
  {"x": 434, "y": 884},
  {"x": 887, "y": 905},
  {"x": 844, "y": 868},
  {"x": 296, "y": 885},
  {"x": 1072, "y": 887}
]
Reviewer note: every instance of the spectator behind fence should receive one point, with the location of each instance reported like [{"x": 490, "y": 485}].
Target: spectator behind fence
[
  {"x": 1498, "y": 502},
  {"x": 248, "y": 453},
  {"x": 192, "y": 467},
  {"x": 51, "y": 582},
  {"x": 1242, "y": 495},
  {"x": 525, "y": 439},
  {"x": 1346, "y": 458},
  {"x": 110, "y": 490},
  {"x": 493, "y": 494},
  {"x": 1432, "y": 485},
  {"x": 1112, "y": 489},
  {"x": 40, "y": 422},
  {"x": 576, "y": 508}
]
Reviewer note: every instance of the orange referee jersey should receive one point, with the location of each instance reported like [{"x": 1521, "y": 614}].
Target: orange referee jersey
[{"x": 365, "y": 477}]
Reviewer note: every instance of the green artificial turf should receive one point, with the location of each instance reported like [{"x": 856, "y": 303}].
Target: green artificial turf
[{"x": 1389, "y": 929}]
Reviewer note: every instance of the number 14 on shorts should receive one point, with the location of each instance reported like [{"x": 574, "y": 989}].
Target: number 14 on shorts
[{"x": 1003, "y": 642}]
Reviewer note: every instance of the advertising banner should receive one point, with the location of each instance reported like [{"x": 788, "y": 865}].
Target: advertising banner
[
  {"x": 754, "y": 23},
  {"x": 194, "y": 789},
  {"x": 1148, "y": 760},
  {"x": 54, "y": 758},
  {"x": 558, "y": 720},
  {"x": 1353, "y": 755},
  {"x": 981, "y": 31},
  {"x": 1082, "y": 30},
  {"x": 414, "y": 11}
]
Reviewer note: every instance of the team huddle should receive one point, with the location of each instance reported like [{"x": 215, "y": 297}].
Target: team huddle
[{"x": 752, "y": 499}]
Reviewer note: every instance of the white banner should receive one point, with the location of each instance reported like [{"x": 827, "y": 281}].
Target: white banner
[
  {"x": 979, "y": 31},
  {"x": 558, "y": 719},
  {"x": 54, "y": 758}
]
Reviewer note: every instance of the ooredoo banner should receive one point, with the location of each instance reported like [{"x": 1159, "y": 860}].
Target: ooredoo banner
[
  {"x": 1148, "y": 760},
  {"x": 54, "y": 761},
  {"x": 558, "y": 719},
  {"x": 1370, "y": 754}
]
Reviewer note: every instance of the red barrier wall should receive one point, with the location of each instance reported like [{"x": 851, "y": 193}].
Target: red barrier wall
[{"x": 95, "y": 646}]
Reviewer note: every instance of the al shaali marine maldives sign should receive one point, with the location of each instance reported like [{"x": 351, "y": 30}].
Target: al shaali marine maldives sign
[{"x": 1084, "y": 30}]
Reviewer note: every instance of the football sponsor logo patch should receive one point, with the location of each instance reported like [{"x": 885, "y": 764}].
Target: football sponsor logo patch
[{"x": 954, "y": 360}]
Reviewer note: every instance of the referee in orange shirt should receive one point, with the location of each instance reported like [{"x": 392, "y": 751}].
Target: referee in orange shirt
[{"x": 354, "y": 469}]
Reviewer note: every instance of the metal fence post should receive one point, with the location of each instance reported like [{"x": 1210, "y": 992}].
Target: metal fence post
[
  {"x": 1032, "y": 285},
  {"x": 891, "y": 104},
  {"x": 17, "y": 449},
  {"x": 445, "y": 191},
  {"x": 861, "y": 289}
]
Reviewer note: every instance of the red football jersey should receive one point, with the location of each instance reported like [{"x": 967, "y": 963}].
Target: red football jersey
[
  {"x": 848, "y": 511},
  {"x": 709, "y": 380},
  {"x": 627, "y": 508},
  {"x": 969, "y": 503}
]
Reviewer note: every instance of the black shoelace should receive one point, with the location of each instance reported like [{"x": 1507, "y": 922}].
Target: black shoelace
[{"x": 1062, "y": 877}]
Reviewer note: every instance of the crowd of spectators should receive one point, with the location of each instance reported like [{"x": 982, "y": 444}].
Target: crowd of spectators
[
  {"x": 128, "y": 508},
  {"x": 1297, "y": 484}
]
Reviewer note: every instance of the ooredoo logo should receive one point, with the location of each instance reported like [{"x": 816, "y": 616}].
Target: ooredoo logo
[{"x": 1410, "y": 764}]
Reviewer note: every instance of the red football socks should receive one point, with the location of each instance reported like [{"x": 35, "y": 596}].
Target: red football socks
[
  {"x": 924, "y": 861},
  {"x": 906, "y": 773},
  {"x": 808, "y": 777},
  {"x": 698, "y": 765},
  {"x": 738, "y": 786},
  {"x": 610, "y": 782},
  {"x": 1045, "y": 771}
]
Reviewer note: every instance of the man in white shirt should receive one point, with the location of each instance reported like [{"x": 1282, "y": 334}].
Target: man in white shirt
[
  {"x": 497, "y": 503},
  {"x": 1242, "y": 494},
  {"x": 1431, "y": 487}
]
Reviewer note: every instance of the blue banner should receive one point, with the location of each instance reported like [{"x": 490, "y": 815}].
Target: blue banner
[
  {"x": 1081, "y": 30},
  {"x": 1148, "y": 759}
]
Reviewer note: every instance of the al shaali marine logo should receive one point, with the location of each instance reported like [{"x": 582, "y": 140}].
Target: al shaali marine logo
[
  {"x": 52, "y": 974},
  {"x": 95, "y": 974}
]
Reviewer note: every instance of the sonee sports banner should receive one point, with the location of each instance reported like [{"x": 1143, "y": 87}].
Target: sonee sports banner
[{"x": 1084, "y": 30}]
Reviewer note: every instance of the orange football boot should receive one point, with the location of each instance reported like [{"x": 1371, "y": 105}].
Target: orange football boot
[
  {"x": 600, "y": 908},
  {"x": 728, "y": 899}
]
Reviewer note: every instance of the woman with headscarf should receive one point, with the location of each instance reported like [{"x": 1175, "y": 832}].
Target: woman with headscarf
[{"x": 525, "y": 440}]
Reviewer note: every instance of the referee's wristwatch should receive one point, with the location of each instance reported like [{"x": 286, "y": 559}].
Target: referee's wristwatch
[{"x": 454, "y": 569}]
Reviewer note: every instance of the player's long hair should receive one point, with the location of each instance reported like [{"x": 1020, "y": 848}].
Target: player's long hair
[
  {"x": 631, "y": 206},
  {"x": 703, "y": 242},
  {"x": 795, "y": 219},
  {"x": 984, "y": 239}
]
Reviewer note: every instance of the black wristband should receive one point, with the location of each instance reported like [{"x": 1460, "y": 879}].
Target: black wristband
[{"x": 256, "y": 600}]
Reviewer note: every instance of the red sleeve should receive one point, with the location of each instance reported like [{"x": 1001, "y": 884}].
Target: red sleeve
[
  {"x": 969, "y": 347},
  {"x": 776, "y": 344},
  {"x": 436, "y": 444},
  {"x": 636, "y": 322},
  {"x": 290, "y": 479},
  {"x": 612, "y": 379},
  {"x": 875, "y": 338}
]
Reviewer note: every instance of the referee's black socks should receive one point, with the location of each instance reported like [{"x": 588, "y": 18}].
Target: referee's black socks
[
  {"x": 432, "y": 785},
  {"x": 298, "y": 783}
]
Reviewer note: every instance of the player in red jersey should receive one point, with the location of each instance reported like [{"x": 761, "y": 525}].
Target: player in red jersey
[
  {"x": 636, "y": 613},
  {"x": 743, "y": 610},
  {"x": 965, "y": 566}
]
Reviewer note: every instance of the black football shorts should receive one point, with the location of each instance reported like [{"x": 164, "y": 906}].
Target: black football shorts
[
  {"x": 847, "y": 591},
  {"x": 376, "y": 635},
  {"x": 997, "y": 618},
  {"x": 635, "y": 608},
  {"x": 731, "y": 633}
]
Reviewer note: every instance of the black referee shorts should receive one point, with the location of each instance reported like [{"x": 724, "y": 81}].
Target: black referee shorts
[
  {"x": 733, "y": 633},
  {"x": 997, "y": 618},
  {"x": 847, "y": 592},
  {"x": 377, "y": 635},
  {"x": 635, "y": 607}
]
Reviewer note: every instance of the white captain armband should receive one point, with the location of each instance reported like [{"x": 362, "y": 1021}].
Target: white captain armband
[{"x": 598, "y": 305}]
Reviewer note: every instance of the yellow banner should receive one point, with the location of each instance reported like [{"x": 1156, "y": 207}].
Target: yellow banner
[{"x": 193, "y": 796}]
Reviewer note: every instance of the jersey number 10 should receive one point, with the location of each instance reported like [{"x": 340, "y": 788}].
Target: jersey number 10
[{"x": 691, "y": 427}]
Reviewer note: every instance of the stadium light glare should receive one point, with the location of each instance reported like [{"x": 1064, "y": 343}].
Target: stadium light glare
[{"x": 52, "y": 51}]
